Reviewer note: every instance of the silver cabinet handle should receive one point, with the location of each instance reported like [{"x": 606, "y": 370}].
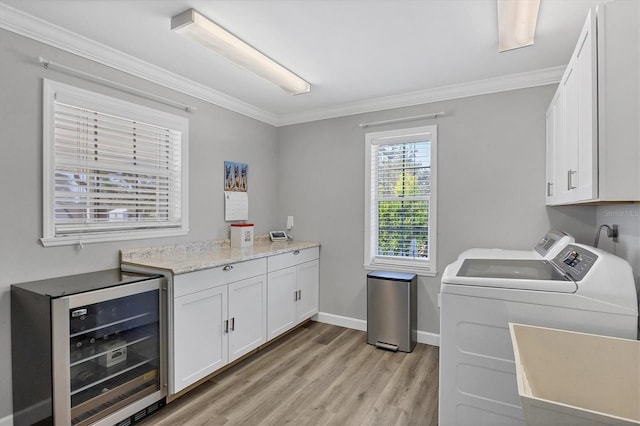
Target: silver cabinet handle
[
  {"x": 299, "y": 294},
  {"x": 549, "y": 189},
  {"x": 227, "y": 267},
  {"x": 233, "y": 324},
  {"x": 295, "y": 296},
  {"x": 296, "y": 252},
  {"x": 570, "y": 174},
  {"x": 226, "y": 326}
]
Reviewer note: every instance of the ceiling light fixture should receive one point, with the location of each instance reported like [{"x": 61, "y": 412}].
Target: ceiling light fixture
[
  {"x": 516, "y": 23},
  {"x": 197, "y": 27}
]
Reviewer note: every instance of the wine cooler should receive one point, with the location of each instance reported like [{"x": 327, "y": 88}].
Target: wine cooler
[{"x": 88, "y": 349}]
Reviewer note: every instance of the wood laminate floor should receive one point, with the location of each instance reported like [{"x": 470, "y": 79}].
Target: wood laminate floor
[{"x": 319, "y": 374}]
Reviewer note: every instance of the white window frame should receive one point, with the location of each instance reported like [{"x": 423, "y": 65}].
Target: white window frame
[
  {"x": 77, "y": 97},
  {"x": 424, "y": 267}
]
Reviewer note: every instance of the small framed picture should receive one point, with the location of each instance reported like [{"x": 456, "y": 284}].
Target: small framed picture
[{"x": 236, "y": 176}]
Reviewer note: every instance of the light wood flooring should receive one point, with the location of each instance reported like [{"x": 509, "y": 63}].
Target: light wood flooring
[{"x": 319, "y": 374}]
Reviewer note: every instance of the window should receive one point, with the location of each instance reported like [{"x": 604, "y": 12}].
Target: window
[
  {"x": 400, "y": 210},
  {"x": 112, "y": 170}
]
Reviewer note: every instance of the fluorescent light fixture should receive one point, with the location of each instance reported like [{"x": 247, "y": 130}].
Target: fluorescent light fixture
[
  {"x": 197, "y": 27},
  {"x": 516, "y": 23}
]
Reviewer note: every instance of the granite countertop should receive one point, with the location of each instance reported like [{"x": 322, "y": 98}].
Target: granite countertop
[{"x": 190, "y": 257}]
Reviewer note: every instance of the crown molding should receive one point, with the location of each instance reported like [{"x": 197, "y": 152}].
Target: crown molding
[
  {"x": 29, "y": 26},
  {"x": 525, "y": 80}
]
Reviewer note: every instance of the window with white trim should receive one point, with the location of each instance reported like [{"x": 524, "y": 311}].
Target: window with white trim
[
  {"x": 400, "y": 202},
  {"x": 112, "y": 170}
]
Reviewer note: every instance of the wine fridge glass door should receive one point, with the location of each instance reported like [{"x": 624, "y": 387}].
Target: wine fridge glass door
[{"x": 112, "y": 355}]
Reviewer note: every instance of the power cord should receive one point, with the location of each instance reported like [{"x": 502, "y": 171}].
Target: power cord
[{"x": 612, "y": 232}]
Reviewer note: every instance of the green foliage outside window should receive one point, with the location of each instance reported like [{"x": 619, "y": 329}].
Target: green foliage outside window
[{"x": 403, "y": 211}]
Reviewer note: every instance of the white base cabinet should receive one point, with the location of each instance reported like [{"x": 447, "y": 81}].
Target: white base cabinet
[
  {"x": 218, "y": 316},
  {"x": 199, "y": 339},
  {"x": 592, "y": 122},
  {"x": 281, "y": 301},
  {"x": 308, "y": 280},
  {"x": 247, "y": 316},
  {"x": 292, "y": 289}
]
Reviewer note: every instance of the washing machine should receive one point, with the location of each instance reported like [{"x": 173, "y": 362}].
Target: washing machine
[
  {"x": 547, "y": 247},
  {"x": 581, "y": 289}
]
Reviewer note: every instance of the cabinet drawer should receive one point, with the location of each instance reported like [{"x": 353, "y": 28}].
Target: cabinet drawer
[
  {"x": 209, "y": 278},
  {"x": 286, "y": 260},
  {"x": 243, "y": 270}
]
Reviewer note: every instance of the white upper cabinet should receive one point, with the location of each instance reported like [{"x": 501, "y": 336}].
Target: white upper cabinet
[
  {"x": 554, "y": 136},
  {"x": 593, "y": 146}
]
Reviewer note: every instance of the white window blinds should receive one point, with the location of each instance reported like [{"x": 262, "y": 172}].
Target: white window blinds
[
  {"x": 400, "y": 203},
  {"x": 402, "y": 178},
  {"x": 111, "y": 172}
]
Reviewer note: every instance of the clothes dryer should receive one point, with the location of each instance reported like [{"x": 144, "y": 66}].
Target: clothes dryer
[
  {"x": 582, "y": 289},
  {"x": 547, "y": 247}
]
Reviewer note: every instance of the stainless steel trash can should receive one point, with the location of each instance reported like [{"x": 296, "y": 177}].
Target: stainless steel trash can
[{"x": 391, "y": 310}]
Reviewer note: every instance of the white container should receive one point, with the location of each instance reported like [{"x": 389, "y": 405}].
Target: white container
[
  {"x": 242, "y": 235},
  {"x": 569, "y": 378},
  {"x": 116, "y": 352}
]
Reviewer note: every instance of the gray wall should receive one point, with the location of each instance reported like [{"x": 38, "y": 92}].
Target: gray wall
[
  {"x": 491, "y": 191},
  {"x": 491, "y": 162},
  {"x": 216, "y": 135},
  {"x": 627, "y": 217}
]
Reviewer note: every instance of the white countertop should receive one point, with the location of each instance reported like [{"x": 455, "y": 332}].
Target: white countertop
[{"x": 189, "y": 257}]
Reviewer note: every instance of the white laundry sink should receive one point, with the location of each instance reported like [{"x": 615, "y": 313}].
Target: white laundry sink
[{"x": 569, "y": 378}]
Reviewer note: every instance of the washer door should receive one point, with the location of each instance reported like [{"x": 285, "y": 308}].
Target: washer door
[
  {"x": 521, "y": 274},
  {"x": 515, "y": 269}
]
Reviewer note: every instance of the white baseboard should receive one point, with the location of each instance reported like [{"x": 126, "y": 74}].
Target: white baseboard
[
  {"x": 425, "y": 337},
  {"x": 341, "y": 321},
  {"x": 428, "y": 338},
  {"x": 7, "y": 421}
]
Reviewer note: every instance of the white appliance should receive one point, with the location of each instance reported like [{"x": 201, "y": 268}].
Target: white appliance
[
  {"x": 581, "y": 289},
  {"x": 547, "y": 248}
]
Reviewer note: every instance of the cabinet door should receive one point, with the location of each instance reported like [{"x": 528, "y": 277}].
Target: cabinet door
[
  {"x": 568, "y": 148},
  {"x": 247, "y": 315},
  {"x": 281, "y": 301},
  {"x": 578, "y": 144},
  {"x": 587, "y": 91},
  {"x": 308, "y": 278},
  {"x": 200, "y": 338},
  {"x": 554, "y": 156}
]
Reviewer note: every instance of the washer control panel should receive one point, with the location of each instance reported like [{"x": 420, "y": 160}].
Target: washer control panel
[
  {"x": 552, "y": 241},
  {"x": 575, "y": 261}
]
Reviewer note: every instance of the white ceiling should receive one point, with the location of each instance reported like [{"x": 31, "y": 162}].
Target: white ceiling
[{"x": 353, "y": 52}]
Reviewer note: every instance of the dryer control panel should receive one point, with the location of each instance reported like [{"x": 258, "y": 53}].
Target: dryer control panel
[
  {"x": 575, "y": 261},
  {"x": 552, "y": 243}
]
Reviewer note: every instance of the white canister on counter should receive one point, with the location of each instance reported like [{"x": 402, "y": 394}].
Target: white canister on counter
[{"x": 242, "y": 235}]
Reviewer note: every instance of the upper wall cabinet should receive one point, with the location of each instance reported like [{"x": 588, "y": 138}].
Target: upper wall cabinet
[{"x": 593, "y": 144}]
